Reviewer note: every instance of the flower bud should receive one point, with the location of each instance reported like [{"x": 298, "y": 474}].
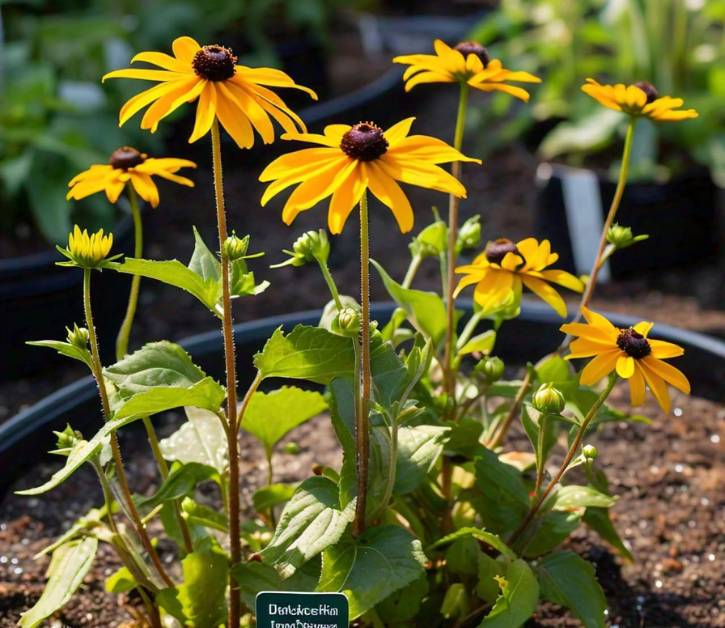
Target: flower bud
[
  {"x": 68, "y": 438},
  {"x": 347, "y": 322},
  {"x": 78, "y": 336},
  {"x": 590, "y": 452},
  {"x": 491, "y": 368},
  {"x": 311, "y": 246},
  {"x": 291, "y": 448},
  {"x": 620, "y": 237},
  {"x": 469, "y": 235},
  {"x": 548, "y": 399},
  {"x": 431, "y": 241},
  {"x": 236, "y": 248}
]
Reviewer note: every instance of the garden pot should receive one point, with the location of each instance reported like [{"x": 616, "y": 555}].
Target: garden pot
[
  {"x": 38, "y": 299},
  {"x": 680, "y": 216},
  {"x": 25, "y": 438}
]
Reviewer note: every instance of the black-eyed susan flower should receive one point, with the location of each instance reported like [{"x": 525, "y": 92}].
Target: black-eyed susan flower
[
  {"x": 238, "y": 96},
  {"x": 504, "y": 268},
  {"x": 86, "y": 250},
  {"x": 635, "y": 357},
  {"x": 127, "y": 165},
  {"x": 468, "y": 62},
  {"x": 639, "y": 99},
  {"x": 352, "y": 159}
]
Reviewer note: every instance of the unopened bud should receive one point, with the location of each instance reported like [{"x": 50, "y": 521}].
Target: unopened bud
[
  {"x": 491, "y": 368},
  {"x": 311, "y": 246},
  {"x": 236, "y": 248},
  {"x": 78, "y": 336},
  {"x": 347, "y": 322},
  {"x": 548, "y": 399},
  {"x": 431, "y": 241},
  {"x": 590, "y": 452},
  {"x": 620, "y": 237},
  {"x": 291, "y": 448},
  {"x": 67, "y": 438},
  {"x": 469, "y": 235}
]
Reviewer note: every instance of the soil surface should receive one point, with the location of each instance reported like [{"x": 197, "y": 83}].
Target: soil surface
[{"x": 670, "y": 513}]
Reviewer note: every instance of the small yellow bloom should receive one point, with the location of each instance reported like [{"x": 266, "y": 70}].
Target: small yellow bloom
[
  {"x": 631, "y": 353},
  {"x": 468, "y": 62},
  {"x": 128, "y": 165},
  {"x": 639, "y": 99},
  {"x": 356, "y": 158},
  {"x": 501, "y": 270},
  {"x": 236, "y": 95},
  {"x": 87, "y": 251}
]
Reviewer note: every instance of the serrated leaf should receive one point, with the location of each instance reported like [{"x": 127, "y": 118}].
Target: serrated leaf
[
  {"x": 418, "y": 450},
  {"x": 494, "y": 540},
  {"x": 568, "y": 580},
  {"x": 206, "y": 394},
  {"x": 425, "y": 310},
  {"x": 270, "y": 416},
  {"x": 551, "y": 530},
  {"x": 69, "y": 566},
  {"x": 369, "y": 568},
  {"x": 482, "y": 343},
  {"x": 254, "y": 577},
  {"x": 201, "y": 439},
  {"x": 66, "y": 349},
  {"x": 310, "y": 522},
  {"x": 310, "y": 353},
  {"x": 574, "y": 496},
  {"x": 517, "y": 600}
]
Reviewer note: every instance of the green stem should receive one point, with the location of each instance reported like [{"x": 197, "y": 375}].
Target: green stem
[
  {"x": 115, "y": 448},
  {"x": 469, "y": 329},
  {"x": 567, "y": 460},
  {"x": 361, "y": 418},
  {"x": 125, "y": 331},
  {"x": 330, "y": 284},
  {"x": 412, "y": 270},
  {"x": 501, "y": 432},
  {"x": 540, "y": 453},
  {"x": 231, "y": 380},
  {"x": 392, "y": 466}
]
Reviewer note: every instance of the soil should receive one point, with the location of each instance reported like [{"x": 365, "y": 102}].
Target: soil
[{"x": 667, "y": 476}]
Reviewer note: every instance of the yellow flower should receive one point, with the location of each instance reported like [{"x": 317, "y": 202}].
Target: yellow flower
[
  {"x": 639, "y": 99},
  {"x": 128, "y": 165},
  {"x": 235, "y": 94},
  {"x": 503, "y": 267},
  {"x": 631, "y": 353},
  {"x": 468, "y": 62},
  {"x": 356, "y": 158},
  {"x": 87, "y": 251}
]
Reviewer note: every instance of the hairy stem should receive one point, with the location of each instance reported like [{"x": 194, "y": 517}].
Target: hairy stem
[
  {"x": 231, "y": 379},
  {"x": 364, "y": 383},
  {"x": 125, "y": 330}
]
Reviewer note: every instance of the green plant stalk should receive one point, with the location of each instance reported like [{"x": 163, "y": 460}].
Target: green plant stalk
[
  {"x": 540, "y": 453},
  {"x": 363, "y": 384},
  {"x": 469, "y": 329},
  {"x": 115, "y": 448},
  {"x": 330, "y": 284},
  {"x": 235, "y": 546},
  {"x": 574, "y": 447},
  {"x": 453, "y": 205},
  {"x": 392, "y": 466},
  {"x": 500, "y": 433},
  {"x": 412, "y": 271}
]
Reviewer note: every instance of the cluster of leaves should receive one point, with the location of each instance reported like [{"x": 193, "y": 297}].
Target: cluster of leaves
[
  {"x": 674, "y": 44},
  {"x": 443, "y": 543}
]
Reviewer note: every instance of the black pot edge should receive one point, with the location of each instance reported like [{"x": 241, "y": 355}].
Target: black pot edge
[
  {"x": 58, "y": 403},
  {"x": 557, "y": 168}
]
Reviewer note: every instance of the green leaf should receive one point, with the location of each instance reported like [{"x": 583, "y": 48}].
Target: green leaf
[
  {"x": 568, "y": 580},
  {"x": 598, "y": 520},
  {"x": 482, "y": 343},
  {"x": 273, "y": 495},
  {"x": 369, "y": 568},
  {"x": 426, "y": 310},
  {"x": 201, "y": 439},
  {"x": 464, "y": 437},
  {"x": 254, "y": 577},
  {"x": 418, "y": 450},
  {"x": 206, "y": 394},
  {"x": 477, "y": 533},
  {"x": 517, "y": 600},
  {"x": 270, "y": 416},
  {"x": 455, "y": 601},
  {"x": 68, "y": 567},
  {"x": 120, "y": 581},
  {"x": 574, "y": 496},
  {"x": 404, "y": 604},
  {"x": 243, "y": 283},
  {"x": 181, "y": 482},
  {"x": 310, "y": 522},
  {"x": 554, "y": 370},
  {"x": 200, "y": 600},
  {"x": 200, "y": 515},
  {"x": 552, "y": 529},
  {"x": 310, "y": 353},
  {"x": 66, "y": 349},
  {"x": 502, "y": 500},
  {"x": 203, "y": 262},
  {"x": 489, "y": 571}
]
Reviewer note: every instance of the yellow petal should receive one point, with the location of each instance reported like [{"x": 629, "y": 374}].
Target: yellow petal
[
  {"x": 643, "y": 328},
  {"x": 593, "y": 318},
  {"x": 205, "y": 112},
  {"x": 344, "y": 199},
  {"x": 185, "y": 48},
  {"x": 389, "y": 193},
  {"x": 398, "y": 132},
  {"x": 167, "y": 62},
  {"x": 662, "y": 349},
  {"x": 669, "y": 373},
  {"x": 146, "y": 75},
  {"x": 625, "y": 366},
  {"x": 599, "y": 367},
  {"x": 234, "y": 121},
  {"x": 657, "y": 386},
  {"x": 636, "y": 388},
  {"x": 546, "y": 293}
]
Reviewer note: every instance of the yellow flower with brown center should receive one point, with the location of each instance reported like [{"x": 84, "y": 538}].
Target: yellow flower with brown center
[
  {"x": 352, "y": 159},
  {"x": 504, "y": 268},
  {"x": 468, "y": 62},
  {"x": 635, "y": 357},
  {"x": 87, "y": 250},
  {"x": 639, "y": 99},
  {"x": 127, "y": 165},
  {"x": 238, "y": 96}
]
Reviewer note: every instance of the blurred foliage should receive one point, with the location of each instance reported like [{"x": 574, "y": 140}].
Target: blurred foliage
[
  {"x": 677, "y": 45},
  {"x": 56, "y": 118}
]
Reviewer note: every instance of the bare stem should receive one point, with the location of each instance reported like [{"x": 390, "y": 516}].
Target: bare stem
[
  {"x": 363, "y": 386},
  {"x": 500, "y": 433},
  {"x": 125, "y": 331}
]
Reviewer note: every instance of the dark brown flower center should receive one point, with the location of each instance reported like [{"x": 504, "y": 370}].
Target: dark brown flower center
[
  {"x": 498, "y": 249},
  {"x": 214, "y": 63},
  {"x": 126, "y": 157},
  {"x": 649, "y": 90},
  {"x": 473, "y": 47},
  {"x": 633, "y": 343},
  {"x": 364, "y": 141}
]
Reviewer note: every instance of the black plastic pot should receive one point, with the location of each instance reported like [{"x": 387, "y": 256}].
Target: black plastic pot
[
  {"x": 681, "y": 218},
  {"x": 25, "y": 438},
  {"x": 38, "y": 299}
]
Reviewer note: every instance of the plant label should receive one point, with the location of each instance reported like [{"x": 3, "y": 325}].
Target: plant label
[{"x": 284, "y": 609}]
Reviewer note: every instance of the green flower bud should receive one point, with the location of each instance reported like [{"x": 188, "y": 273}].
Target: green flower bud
[
  {"x": 78, "y": 336},
  {"x": 236, "y": 248},
  {"x": 431, "y": 241},
  {"x": 469, "y": 235},
  {"x": 548, "y": 399},
  {"x": 291, "y": 448},
  {"x": 590, "y": 452},
  {"x": 347, "y": 322},
  {"x": 312, "y": 246},
  {"x": 491, "y": 368},
  {"x": 620, "y": 237},
  {"x": 68, "y": 438}
]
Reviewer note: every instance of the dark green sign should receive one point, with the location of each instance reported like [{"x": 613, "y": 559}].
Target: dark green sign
[{"x": 281, "y": 609}]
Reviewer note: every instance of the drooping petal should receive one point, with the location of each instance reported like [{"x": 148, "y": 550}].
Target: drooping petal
[
  {"x": 602, "y": 365},
  {"x": 389, "y": 193},
  {"x": 625, "y": 366},
  {"x": 205, "y": 112},
  {"x": 233, "y": 120},
  {"x": 344, "y": 199},
  {"x": 636, "y": 387},
  {"x": 546, "y": 293},
  {"x": 669, "y": 373},
  {"x": 657, "y": 386}
]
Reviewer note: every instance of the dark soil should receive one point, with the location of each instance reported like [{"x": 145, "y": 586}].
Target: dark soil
[{"x": 668, "y": 477}]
